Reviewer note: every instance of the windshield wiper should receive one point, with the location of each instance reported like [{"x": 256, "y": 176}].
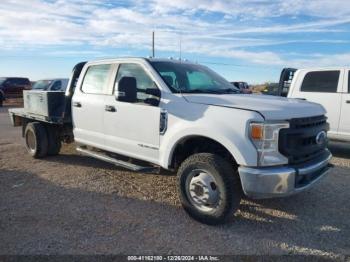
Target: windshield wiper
[
  {"x": 212, "y": 91},
  {"x": 202, "y": 91}
]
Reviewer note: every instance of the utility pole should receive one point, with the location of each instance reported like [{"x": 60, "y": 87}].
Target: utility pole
[{"x": 153, "y": 44}]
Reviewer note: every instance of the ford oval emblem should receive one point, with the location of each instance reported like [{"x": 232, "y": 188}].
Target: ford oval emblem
[{"x": 321, "y": 138}]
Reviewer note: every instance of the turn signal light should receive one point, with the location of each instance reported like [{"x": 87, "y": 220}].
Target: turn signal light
[{"x": 257, "y": 131}]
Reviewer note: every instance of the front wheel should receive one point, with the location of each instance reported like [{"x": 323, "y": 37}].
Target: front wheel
[{"x": 209, "y": 187}]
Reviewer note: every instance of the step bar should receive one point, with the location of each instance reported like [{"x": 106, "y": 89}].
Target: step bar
[{"x": 118, "y": 162}]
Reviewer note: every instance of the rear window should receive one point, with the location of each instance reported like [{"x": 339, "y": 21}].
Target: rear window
[{"x": 321, "y": 81}]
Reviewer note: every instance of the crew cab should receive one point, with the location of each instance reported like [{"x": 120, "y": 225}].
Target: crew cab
[
  {"x": 329, "y": 87},
  {"x": 145, "y": 114}
]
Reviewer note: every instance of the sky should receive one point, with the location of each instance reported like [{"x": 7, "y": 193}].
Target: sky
[{"x": 243, "y": 40}]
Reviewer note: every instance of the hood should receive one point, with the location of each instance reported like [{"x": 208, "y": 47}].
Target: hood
[{"x": 271, "y": 107}]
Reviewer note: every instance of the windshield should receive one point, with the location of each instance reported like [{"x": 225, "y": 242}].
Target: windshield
[
  {"x": 191, "y": 78},
  {"x": 42, "y": 84},
  {"x": 2, "y": 80}
]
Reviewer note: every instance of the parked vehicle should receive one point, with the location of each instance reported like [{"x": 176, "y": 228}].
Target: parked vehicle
[
  {"x": 186, "y": 118},
  {"x": 59, "y": 84},
  {"x": 12, "y": 87},
  {"x": 243, "y": 87},
  {"x": 328, "y": 87}
]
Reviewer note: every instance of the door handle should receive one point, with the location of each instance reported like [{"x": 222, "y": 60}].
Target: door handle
[
  {"x": 110, "y": 108},
  {"x": 77, "y": 104},
  {"x": 347, "y": 101}
]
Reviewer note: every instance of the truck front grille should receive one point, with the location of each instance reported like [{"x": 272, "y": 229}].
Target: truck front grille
[{"x": 298, "y": 143}]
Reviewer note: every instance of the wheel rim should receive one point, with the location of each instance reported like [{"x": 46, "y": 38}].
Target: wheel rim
[
  {"x": 31, "y": 142},
  {"x": 203, "y": 191}
]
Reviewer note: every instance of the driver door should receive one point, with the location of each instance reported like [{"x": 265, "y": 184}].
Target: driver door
[{"x": 132, "y": 129}]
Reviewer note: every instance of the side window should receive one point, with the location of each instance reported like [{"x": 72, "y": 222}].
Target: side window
[
  {"x": 96, "y": 79},
  {"x": 64, "y": 85},
  {"x": 143, "y": 81},
  {"x": 170, "y": 79},
  {"x": 56, "y": 86},
  {"x": 19, "y": 81},
  {"x": 321, "y": 81},
  {"x": 23, "y": 81},
  {"x": 11, "y": 82},
  {"x": 16, "y": 82},
  {"x": 8, "y": 82}
]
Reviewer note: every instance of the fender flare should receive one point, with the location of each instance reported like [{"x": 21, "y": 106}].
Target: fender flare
[{"x": 170, "y": 148}]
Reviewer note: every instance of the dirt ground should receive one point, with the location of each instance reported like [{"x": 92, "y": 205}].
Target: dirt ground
[{"x": 72, "y": 204}]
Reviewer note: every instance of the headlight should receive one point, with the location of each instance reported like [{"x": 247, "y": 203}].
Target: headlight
[{"x": 265, "y": 138}]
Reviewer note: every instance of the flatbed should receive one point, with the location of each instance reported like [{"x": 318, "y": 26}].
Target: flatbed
[{"x": 17, "y": 113}]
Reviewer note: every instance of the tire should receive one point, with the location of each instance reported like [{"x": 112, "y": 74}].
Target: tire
[
  {"x": 36, "y": 140},
  {"x": 222, "y": 194},
  {"x": 1, "y": 100},
  {"x": 54, "y": 142}
]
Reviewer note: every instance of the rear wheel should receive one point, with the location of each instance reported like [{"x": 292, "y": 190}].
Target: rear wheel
[
  {"x": 36, "y": 140},
  {"x": 209, "y": 187},
  {"x": 1, "y": 100}
]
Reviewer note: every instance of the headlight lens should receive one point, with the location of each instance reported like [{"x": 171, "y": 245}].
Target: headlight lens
[{"x": 265, "y": 138}]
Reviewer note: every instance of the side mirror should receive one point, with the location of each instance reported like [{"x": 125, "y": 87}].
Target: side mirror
[
  {"x": 156, "y": 95},
  {"x": 127, "y": 90},
  {"x": 154, "y": 92}
]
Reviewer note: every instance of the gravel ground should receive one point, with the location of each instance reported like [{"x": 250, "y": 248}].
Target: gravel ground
[{"x": 72, "y": 204}]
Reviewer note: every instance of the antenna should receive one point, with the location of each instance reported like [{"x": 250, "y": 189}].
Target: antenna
[
  {"x": 180, "y": 45},
  {"x": 153, "y": 44}
]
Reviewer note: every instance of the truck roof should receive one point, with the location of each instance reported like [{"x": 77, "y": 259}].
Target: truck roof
[
  {"x": 111, "y": 60},
  {"x": 324, "y": 68}
]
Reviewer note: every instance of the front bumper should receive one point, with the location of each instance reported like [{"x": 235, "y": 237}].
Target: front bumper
[{"x": 268, "y": 182}]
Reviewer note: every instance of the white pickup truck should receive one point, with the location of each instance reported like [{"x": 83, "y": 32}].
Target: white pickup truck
[
  {"x": 143, "y": 114},
  {"x": 329, "y": 87}
]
